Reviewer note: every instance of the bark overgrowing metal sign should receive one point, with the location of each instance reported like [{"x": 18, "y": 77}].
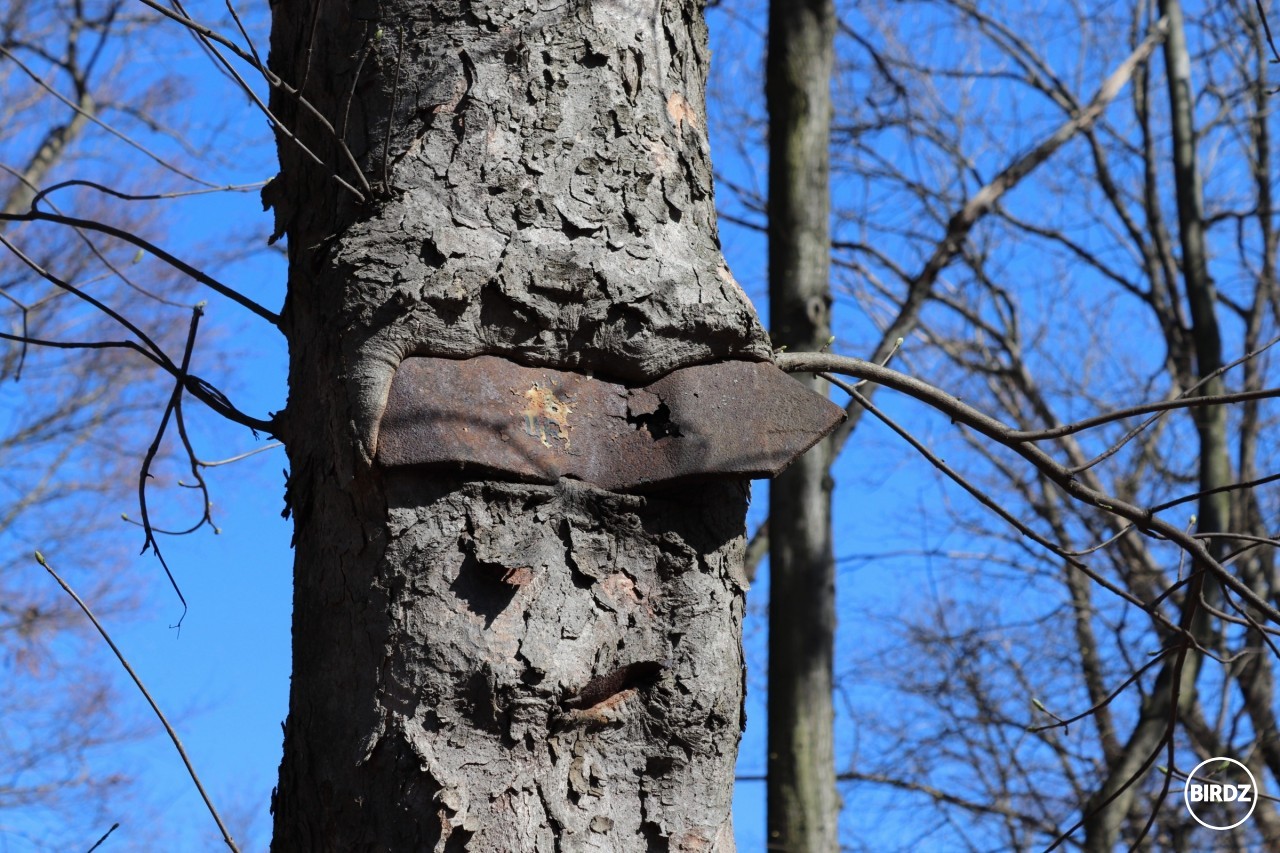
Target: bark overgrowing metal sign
[{"x": 729, "y": 419}]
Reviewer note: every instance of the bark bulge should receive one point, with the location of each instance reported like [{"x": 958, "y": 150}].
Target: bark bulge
[{"x": 541, "y": 188}]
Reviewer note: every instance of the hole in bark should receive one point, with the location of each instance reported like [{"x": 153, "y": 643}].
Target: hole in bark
[
  {"x": 499, "y": 312},
  {"x": 657, "y": 423},
  {"x": 431, "y": 721},
  {"x": 658, "y": 765},
  {"x": 534, "y": 502},
  {"x": 458, "y": 839},
  {"x": 654, "y": 840},
  {"x": 574, "y": 231},
  {"x": 633, "y": 676},
  {"x": 531, "y": 674},
  {"x": 482, "y": 588},
  {"x": 483, "y": 705},
  {"x": 594, "y": 60},
  {"x": 581, "y": 580},
  {"x": 431, "y": 255}
]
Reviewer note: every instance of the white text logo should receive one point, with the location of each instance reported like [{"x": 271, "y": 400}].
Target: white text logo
[{"x": 1219, "y": 791}]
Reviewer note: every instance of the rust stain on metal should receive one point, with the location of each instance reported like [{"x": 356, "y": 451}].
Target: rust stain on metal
[
  {"x": 491, "y": 416},
  {"x": 545, "y": 410}
]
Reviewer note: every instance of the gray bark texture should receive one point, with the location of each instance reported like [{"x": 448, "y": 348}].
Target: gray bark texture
[
  {"x": 803, "y": 805},
  {"x": 485, "y": 665}
]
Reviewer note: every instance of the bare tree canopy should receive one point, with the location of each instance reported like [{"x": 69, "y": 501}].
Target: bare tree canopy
[{"x": 1054, "y": 224}]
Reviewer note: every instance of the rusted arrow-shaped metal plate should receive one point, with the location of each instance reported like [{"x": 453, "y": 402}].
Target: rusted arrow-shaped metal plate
[{"x": 492, "y": 416}]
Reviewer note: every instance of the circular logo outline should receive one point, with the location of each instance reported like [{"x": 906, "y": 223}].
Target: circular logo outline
[{"x": 1191, "y": 780}]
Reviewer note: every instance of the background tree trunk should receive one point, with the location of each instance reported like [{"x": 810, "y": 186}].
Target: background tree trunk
[
  {"x": 1173, "y": 695},
  {"x": 536, "y": 185},
  {"x": 802, "y": 801}
]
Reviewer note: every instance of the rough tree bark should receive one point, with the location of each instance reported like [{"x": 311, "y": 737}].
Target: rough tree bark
[
  {"x": 802, "y": 801},
  {"x": 506, "y": 666}
]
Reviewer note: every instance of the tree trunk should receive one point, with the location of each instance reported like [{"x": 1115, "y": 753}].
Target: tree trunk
[
  {"x": 1173, "y": 694},
  {"x": 802, "y": 801},
  {"x": 479, "y": 664}
]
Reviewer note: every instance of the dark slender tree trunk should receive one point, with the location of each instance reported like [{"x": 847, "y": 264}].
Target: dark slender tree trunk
[
  {"x": 539, "y": 189},
  {"x": 802, "y": 801},
  {"x": 1173, "y": 693}
]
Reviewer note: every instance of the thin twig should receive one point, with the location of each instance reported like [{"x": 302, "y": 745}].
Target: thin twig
[
  {"x": 990, "y": 503},
  {"x": 1185, "y": 395},
  {"x": 173, "y": 735},
  {"x": 258, "y": 102},
  {"x": 272, "y": 446},
  {"x": 1230, "y": 487},
  {"x": 999, "y": 432},
  {"x": 1266, "y": 28},
  {"x": 197, "y": 387},
  {"x": 146, "y": 245},
  {"x": 144, "y": 473},
  {"x": 80, "y": 182},
  {"x": 91, "y": 117},
  {"x": 1145, "y": 409},
  {"x": 98, "y": 253},
  {"x": 80, "y": 294},
  {"x": 1063, "y": 723},
  {"x": 98, "y": 843},
  {"x": 276, "y": 81}
]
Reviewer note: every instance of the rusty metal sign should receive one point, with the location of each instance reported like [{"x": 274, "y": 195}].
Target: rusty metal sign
[{"x": 492, "y": 417}]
